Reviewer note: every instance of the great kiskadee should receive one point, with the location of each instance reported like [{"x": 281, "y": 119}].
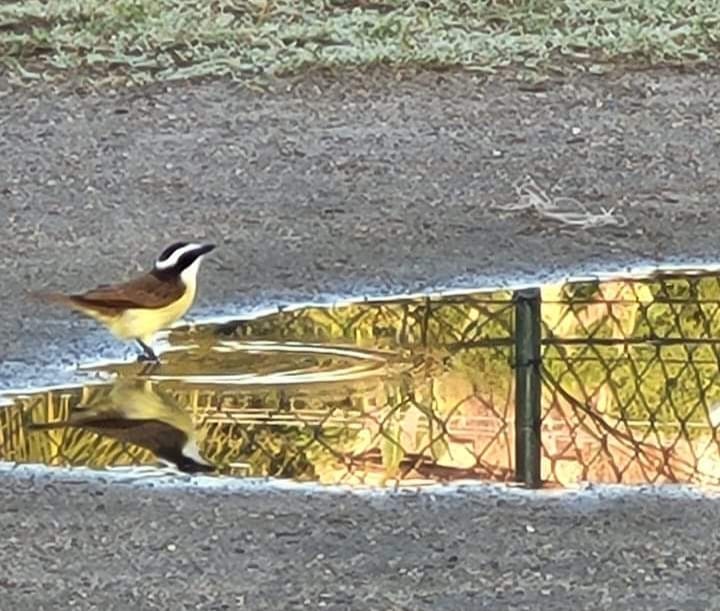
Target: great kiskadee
[
  {"x": 139, "y": 308},
  {"x": 132, "y": 412}
]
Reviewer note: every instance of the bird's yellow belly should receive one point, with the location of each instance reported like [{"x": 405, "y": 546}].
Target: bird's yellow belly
[{"x": 142, "y": 323}]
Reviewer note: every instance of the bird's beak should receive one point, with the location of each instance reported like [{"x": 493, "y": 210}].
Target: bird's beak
[{"x": 206, "y": 248}]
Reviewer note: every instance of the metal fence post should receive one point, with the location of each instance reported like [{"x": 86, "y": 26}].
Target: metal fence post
[{"x": 527, "y": 387}]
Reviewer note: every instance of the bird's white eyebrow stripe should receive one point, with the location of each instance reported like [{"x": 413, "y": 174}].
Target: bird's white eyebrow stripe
[{"x": 172, "y": 260}]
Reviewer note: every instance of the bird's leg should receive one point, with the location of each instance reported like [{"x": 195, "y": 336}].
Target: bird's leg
[
  {"x": 149, "y": 367},
  {"x": 148, "y": 354}
]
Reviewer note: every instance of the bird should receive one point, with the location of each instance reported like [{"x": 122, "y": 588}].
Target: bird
[
  {"x": 132, "y": 412},
  {"x": 140, "y": 307}
]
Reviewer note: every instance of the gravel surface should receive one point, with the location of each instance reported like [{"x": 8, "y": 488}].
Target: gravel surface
[
  {"x": 368, "y": 185},
  {"x": 117, "y": 546},
  {"x": 372, "y": 184}
]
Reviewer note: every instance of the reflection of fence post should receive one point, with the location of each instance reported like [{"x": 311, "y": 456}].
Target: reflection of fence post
[{"x": 527, "y": 387}]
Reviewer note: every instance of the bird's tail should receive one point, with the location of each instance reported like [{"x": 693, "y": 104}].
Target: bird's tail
[
  {"x": 46, "y": 426},
  {"x": 69, "y": 301},
  {"x": 52, "y": 297}
]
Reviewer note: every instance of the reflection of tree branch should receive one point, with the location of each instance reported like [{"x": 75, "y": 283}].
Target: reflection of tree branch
[
  {"x": 417, "y": 462},
  {"x": 640, "y": 448}
]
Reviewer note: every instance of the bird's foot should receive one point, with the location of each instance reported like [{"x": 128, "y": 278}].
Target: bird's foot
[
  {"x": 148, "y": 354},
  {"x": 144, "y": 357}
]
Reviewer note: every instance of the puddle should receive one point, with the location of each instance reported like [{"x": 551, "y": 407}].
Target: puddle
[{"x": 407, "y": 392}]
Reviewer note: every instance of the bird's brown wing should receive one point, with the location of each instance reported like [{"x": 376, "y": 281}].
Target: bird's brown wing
[
  {"x": 146, "y": 291},
  {"x": 150, "y": 434}
]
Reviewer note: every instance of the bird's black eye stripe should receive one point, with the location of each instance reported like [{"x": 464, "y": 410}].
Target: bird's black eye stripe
[{"x": 187, "y": 259}]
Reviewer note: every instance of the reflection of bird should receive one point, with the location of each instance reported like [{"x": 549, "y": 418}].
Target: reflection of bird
[
  {"x": 133, "y": 413},
  {"x": 137, "y": 309}
]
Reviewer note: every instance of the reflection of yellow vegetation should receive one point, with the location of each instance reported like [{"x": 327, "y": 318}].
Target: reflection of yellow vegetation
[
  {"x": 658, "y": 381},
  {"x": 430, "y": 394},
  {"x": 612, "y": 310},
  {"x": 62, "y": 445}
]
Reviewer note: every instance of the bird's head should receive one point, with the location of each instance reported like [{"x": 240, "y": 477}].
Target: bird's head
[
  {"x": 186, "y": 458},
  {"x": 182, "y": 259}
]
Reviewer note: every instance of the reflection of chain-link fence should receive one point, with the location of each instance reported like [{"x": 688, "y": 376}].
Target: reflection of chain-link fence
[
  {"x": 611, "y": 381},
  {"x": 629, "y": 376}
]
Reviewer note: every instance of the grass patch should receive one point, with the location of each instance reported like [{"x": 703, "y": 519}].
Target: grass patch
[{"x": 150, "y": 40}]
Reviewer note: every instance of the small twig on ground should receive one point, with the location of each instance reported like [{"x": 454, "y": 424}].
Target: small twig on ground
[{"x": 567, "y": 210}]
